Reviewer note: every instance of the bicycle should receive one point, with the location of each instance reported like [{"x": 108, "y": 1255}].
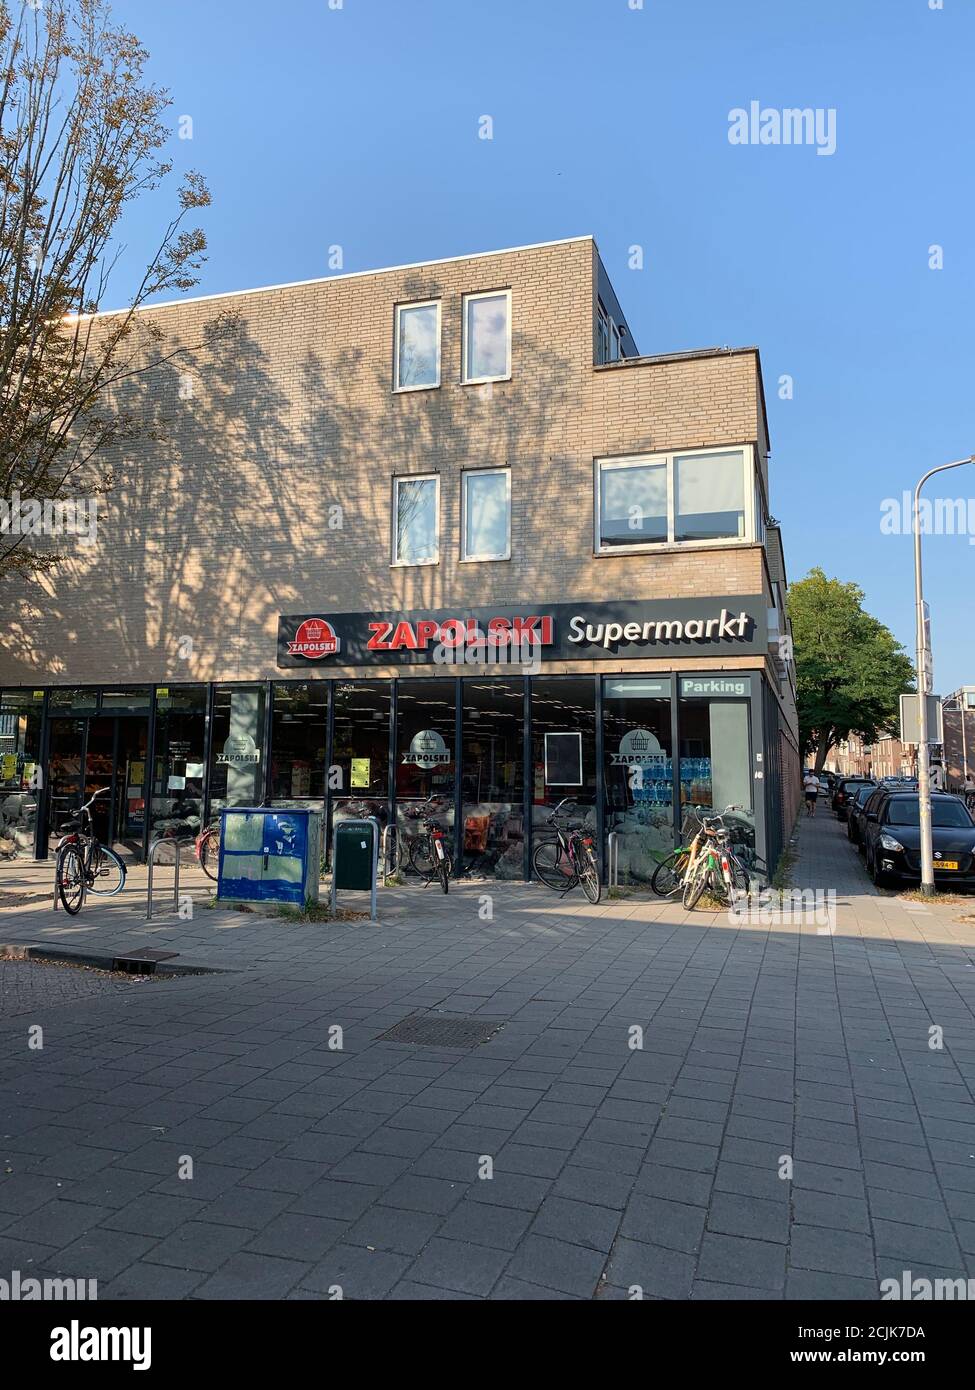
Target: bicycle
[
  {"x": 206, "y": 847},
  {"x": 716, "y": 868},
  {"x": 569, "y": 859},
  {"x": 83, "y": 864},
  {"x": 670, "y": 874},
  {"x": 429, "y": 855}
]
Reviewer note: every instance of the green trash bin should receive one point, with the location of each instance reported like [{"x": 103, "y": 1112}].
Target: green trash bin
[{"x": 355, "y": 857}]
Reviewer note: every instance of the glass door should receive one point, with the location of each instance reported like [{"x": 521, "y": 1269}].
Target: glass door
[
  {"x": 131, "y": 776},
  {"x": 65, "y": 761},
  {"x": 99, "y": 773}
]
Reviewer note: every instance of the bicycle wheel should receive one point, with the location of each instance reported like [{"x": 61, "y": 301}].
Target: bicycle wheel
[
  {"x": 552, "y": 866},
  {"x": 443, "y": 872},
  {"x": 668, "y": 876},
  {"x": 210, "y": 853},
  {"x": 695, "y": 886},
  {"x": 107, "y": 872},
  {"x": 420, "y": 858},
  {"x": 69, "y": 875},
  {"x": 589, "y": 873}
]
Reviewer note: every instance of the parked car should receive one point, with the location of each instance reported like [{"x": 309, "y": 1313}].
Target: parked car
[
  {"x": 857, "y": 809},
  {"x": 845, "y": 791},
  {"x": 892, "y": 839}
]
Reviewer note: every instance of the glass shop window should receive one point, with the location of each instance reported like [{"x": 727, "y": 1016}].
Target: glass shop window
[{"x": 638, "y": 772}]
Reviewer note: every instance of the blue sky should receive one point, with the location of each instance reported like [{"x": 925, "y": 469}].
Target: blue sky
[{"x": 358, "y": 126}]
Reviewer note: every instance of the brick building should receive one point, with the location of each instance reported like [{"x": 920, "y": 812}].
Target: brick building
[{"x": 436, "y": 528}]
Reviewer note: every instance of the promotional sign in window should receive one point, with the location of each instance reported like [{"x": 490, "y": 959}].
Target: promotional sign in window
[{"x": 563, "y": 760}]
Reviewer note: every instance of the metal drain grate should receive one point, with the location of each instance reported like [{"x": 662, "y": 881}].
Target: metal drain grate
[{"x": 441, "y": 1030}]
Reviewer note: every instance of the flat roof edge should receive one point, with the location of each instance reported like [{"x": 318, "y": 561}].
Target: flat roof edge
[
  {"x": 688, "y": 356},
  {"x": 325, "y": 279}
]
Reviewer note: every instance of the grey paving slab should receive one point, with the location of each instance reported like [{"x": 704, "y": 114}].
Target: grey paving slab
[{"x": 785, "y": 1131}]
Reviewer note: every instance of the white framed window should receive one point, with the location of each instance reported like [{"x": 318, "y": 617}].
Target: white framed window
[
  {"x": 416, "y": 346},
  {"x": 416, "y": 519},
  {"x": 485, "y": 514},
  {"x": 487, "y": 336},
  {"x": 684, "y": 498}
]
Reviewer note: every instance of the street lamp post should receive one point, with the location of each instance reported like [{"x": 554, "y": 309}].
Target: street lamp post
[{"x": 924, "y": 683}]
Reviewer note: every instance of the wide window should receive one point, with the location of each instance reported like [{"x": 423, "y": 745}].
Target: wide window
[
  {"x": 299, "y": 727},
  {"x": 236, "y": 746},
  {"x": 709, "y": 497},
  {"x": 425, "y": 764},
  {"x": 715, "y": 765},
  {"x": 638, "y": 772},
  {"x": 486, "y": 514},
  {"x": 674, "y": 499},
  {"x": 359, "y": 777},
  {"x": 20, "y": 741},
  {"x": 493, "y": 777},
  {"x": 416, "y": 505},
  {"x": 177, "y": 779},
  {"x": 563, "y": 750},
  {"x": 632, "y": 504},
  {"x": 487, "y": 336},
  {"x": 417, "y": 346}
]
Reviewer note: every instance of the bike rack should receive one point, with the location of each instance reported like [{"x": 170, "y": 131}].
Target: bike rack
[
  {"x": 177, "y": 843},
  {"x": 389, "y": 838},
  {"x": 613, "y": 859}
]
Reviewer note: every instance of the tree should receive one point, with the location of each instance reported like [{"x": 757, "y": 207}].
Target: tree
[
  {"x": 850, "y": 670},
  {"x": 81, "y": 132}
]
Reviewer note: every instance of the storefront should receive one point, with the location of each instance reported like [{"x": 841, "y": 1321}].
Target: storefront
[{"x": 497, "y": 725}]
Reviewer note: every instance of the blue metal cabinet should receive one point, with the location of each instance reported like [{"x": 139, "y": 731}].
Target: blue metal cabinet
[{"x": 269, "y": 856}]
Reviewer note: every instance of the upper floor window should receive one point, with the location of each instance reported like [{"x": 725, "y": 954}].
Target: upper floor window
[
  {"x": 417, "y": 346},
  {"x": 487, "y": 336},
  {"x": 416, "y": 520},
  {"x": 486, "y": 514},
  {"x": 674, "y": 499},
  {"x": 607, "y": 336}
]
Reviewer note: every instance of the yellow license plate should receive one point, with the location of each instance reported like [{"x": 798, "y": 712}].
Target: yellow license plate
[{"x": 946, "y": 863}]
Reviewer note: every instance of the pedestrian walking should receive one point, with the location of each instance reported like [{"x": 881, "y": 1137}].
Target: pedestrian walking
[{"x": 810, "y": 788}]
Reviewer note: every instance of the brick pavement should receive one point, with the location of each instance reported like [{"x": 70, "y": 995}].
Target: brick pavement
[{"x": 360, "y": 1169}]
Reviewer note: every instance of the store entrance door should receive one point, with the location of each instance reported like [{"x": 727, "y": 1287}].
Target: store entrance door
[{"x": 86, "y": 755}]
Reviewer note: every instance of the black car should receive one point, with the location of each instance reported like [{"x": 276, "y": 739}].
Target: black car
[
  {"x": 856, "y": 810},
  {"x": 892, "y": 839},
  {"x": 846, "y": 789}
]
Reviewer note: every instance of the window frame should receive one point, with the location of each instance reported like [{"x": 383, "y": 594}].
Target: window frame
[
  {"x": 467, "y": 380},
  {"x": 395, "y": 561},
  {"x": 667, "y": 458},
  {"x": 505, "y": 471},
  {"x": 399, "y": 390}
]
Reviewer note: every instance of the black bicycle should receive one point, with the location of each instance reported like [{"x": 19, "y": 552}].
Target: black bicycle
[
  {"x": 429, "y": 852},
  {"x": 569, "y": 859},
  {"x": 84, "y": 865}
]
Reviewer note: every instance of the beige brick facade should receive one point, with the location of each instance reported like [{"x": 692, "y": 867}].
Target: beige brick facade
[{"x": 223, "y": 522}]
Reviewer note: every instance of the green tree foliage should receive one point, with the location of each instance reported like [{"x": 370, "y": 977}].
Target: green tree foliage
[{"x": 850, "y": 669}]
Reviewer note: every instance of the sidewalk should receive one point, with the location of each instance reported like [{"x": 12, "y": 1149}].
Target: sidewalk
[{"x": 765, "y": 1049}]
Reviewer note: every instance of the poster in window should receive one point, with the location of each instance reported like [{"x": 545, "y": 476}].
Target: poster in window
[
  {"x": 563, "y": 760},
  {"x": 360, "y": 772}
]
